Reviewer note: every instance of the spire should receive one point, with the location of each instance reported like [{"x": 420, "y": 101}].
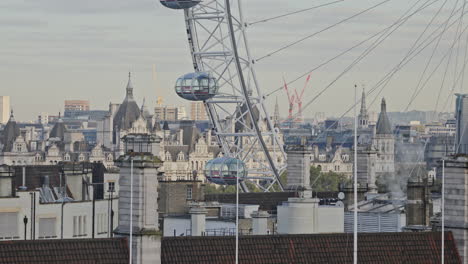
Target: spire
[
  {"x": 363, "y": 116},
  {"x": 383, "y": 106},
  {"x": 363, "y": 103},
  {"x": 383, "y": 124},
  {"x": 276, "y": 116},
  {"x": 12, "y": 118},
  {"x": 129, "y": 86}
]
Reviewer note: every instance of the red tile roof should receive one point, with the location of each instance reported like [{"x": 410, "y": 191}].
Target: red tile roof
[
  {"x": 102, "y": 250},
  {"x": 423, "y": 247}
]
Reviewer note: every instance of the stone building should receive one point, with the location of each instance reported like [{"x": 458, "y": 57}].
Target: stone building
[{"x": 384, "y": 144}]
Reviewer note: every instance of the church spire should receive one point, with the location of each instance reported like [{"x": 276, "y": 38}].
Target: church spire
[
  {"x": 129, "y": 86},
  {"x": 363, "y": 115},
  {"x": 12, "y": 118},
  {"x": 276, "y": 116}
]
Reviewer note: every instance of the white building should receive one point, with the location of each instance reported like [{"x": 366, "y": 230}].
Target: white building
[{"x": 33, "y": 204}]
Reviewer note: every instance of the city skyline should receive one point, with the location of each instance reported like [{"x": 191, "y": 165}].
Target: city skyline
[{"x": 60, "y": 51}]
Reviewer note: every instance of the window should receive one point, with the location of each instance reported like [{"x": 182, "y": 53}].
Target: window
[
  {"x": 111, "y": 186},
  {"x": 168, "y": 156},
  {"x": 189, "y": 192},
  {"x": 75, "y": 226},
  {"x": 47, "y": 227},
  {"x": 79, "y": 225},
  {"x": 101, "y": 224},
  {"x": 9, "y": 225}
]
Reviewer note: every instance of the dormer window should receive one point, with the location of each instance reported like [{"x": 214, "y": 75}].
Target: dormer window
[
  {"x": 181, "y": 156},
  {"x": 168, "y": 156}
]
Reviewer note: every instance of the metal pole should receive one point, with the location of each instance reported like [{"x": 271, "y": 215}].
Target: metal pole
[
  {"x": 131, "y": 211},
  {"x": 237, "y": 213},
  {"x": 61, "y": 220},
  {"x": 34, "y": 217},
  {"x": 112, "y": 217},
  {"x": 443, "y": 210},
  {"x": 94, "y": 211},
  {"x": 31, "y": 214},
  {"x": 355, "y": 255}
]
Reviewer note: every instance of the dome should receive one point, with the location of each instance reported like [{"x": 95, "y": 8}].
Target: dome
[
  {"x": 225, "y": 170},
  {"x": 179, "y": 4},
  {"x": 10, "y": 133},
  {"x": 197, "y": 86},
  {"x": 128, "y": 111}
]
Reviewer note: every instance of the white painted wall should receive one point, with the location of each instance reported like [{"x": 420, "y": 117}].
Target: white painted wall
[{"x": 22, "y": 206}]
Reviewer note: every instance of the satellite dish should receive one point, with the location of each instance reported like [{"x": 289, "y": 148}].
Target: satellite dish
[
  {"x": 341, "y": 195},
  {"x": 339, "y": 204}
]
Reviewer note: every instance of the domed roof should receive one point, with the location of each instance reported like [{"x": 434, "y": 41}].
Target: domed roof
[
  {"x": 128, "y": 111},
  {"x": 383, "y": 124},
  {"x": 59, "y": 129},
  {"x": 10, "y": 133}
]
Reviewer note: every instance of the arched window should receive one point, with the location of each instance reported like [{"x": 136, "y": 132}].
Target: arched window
[{"x": 168, "y": 156}]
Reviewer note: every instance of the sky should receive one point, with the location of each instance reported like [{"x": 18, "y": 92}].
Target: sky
[{"x": 54, "y": 50}]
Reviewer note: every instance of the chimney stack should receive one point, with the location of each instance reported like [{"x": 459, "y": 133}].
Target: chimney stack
[
  {"x": 197, "y": 222},
  {"x": 260, "y": 223}
]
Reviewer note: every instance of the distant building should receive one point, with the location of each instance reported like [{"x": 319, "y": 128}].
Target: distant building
[
  {"x": 43, "y": 118},
  {"x": 72, "y": 106},
  {"x": 197, "y": 111},
  {"x": 181, "y": 113},
  {"x": 4, "y": 109},
  {"x": 166, "y": 113}
]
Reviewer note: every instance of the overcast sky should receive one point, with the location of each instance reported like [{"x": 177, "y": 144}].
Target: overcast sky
[{"x": 53, "y": 50}]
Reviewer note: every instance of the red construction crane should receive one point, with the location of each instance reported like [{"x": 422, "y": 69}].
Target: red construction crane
[
  {"x": 299, "y": 100},
  {"x": 290, "y": 99}
]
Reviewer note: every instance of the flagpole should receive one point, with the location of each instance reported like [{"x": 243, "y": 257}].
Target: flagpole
[{"x": 355, "y": 255}]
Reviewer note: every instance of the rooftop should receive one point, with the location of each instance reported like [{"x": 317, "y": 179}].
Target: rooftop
[
  {"x": 419, "y": 247},
  {"x": 104, "y": 250}
]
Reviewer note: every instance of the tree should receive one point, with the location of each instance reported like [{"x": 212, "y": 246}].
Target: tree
[{"x": 325, "y": 181}]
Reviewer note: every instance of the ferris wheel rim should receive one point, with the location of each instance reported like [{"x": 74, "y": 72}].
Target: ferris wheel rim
[{"x": 275, "y": 169}]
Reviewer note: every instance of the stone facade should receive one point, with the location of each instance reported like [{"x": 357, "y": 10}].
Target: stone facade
[{"x": 456, "y": 202}]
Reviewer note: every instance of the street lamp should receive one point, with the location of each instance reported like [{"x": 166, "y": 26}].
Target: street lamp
[
  {"x": 25, "y": 221},
  {"x": 111, "y": 190}
]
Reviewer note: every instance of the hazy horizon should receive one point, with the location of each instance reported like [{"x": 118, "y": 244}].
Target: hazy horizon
[{"x": 57, "y": 50}]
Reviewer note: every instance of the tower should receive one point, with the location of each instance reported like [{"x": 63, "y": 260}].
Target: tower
[
  {"x": 276, "y": 116},
  {"x": 363, "y": 117},
  {"x": 384, "y": 143},
  {"x": 125, "y": 116},
  {"x": 140, "y": 165}
]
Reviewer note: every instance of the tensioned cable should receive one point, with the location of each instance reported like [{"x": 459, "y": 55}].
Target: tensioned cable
[
  {"x": 381, "y": 32},
  {"x": 412, "y": 47},
  {"x": 433, "y": 52},
  {"x": 449, "y": 60},
  {"x": 294, "y": 12},
  {"x": 399, "y": 66},
  {"x": 320, "y": 31},
  {"x": 405, "y": 60},
  {"x": 348, "y": 68},
  {"x": 431, "y": 74}
]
